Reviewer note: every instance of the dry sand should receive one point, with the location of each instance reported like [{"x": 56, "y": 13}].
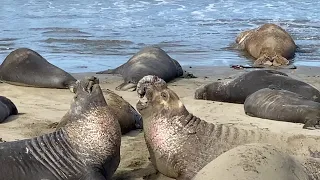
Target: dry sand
[{"x": 39, "y": 107}]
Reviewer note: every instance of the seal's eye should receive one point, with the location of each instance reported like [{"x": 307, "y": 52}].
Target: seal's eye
[{"x": 165, "y": 96}]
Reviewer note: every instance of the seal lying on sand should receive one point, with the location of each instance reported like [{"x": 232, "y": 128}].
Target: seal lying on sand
[
  {"x": 180, "y": 144},
  {"x": 26, "y": 67},
  {"x": 87, "y": 148},
  {"x": 148, "y": 61},
  {"x": 269, "y": 44},
  {"x": 237, "y": 90},
  {"x": 283, "y": 105},
  {"x": 259, "y": 162},
  {"x": 127, "y": 116},
  {"x": 7, "y": 108}
]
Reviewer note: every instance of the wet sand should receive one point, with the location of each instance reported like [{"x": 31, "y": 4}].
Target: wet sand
[{"x": 40, "y": 107}]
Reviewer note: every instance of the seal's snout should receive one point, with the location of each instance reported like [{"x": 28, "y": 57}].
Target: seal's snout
[
  {"x": 199, "y": 94},
  {"x": 149, "y": 80}
]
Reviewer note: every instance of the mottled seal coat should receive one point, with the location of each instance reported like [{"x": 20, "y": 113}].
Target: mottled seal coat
[
  {"x": 269, "y": 44},
  {"x": 180, "y": 144},
  {"x": 87, "y": 148},
  {"x": 259, "y": 162},
  {"x": 237, "y": 90},
  {"x": 148, "y": 61},
  {"x": 283, "y": 105},
  {"x": 7, "y": 108},
  {"x": 127, "y": 116},
  {"x": 26, "y": 67}
]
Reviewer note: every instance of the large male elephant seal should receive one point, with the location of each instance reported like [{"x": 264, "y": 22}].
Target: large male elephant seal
[
  {"x": 87, "y": 148},
  {"x": 7, "y": 108},
  {"x": 180, "y": 144},
  {"x": 237, "y": 90},
  {"x": 129, "y": 119},
  {"x": 269, "y": 44},
  {"x": 283, "y": 105},
  {"x": 259, "y": 162},
  {"x": 148, "y": 61},
  {"x": 26, "y": 67}
]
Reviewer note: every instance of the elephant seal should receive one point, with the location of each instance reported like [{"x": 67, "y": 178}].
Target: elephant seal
[
  {"x": 282, "y": 105},
  {"x": 259, "y": 162},
  {"x": 148, "y": 61},
  {"x": 237, "y": 90},
  {"x": 25, "y": 67},
  {"x": 87, "y": 148},
  {"x": 7, "y": 108},
  {"x": 129, "y": 119},
  {"x": 269, "y": 44},
  {"x": 180, "y": 144}
]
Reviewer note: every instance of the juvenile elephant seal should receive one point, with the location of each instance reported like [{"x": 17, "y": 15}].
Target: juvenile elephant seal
[
  {"x": 26, "y": 67},
  {"x": 129, "y": 119},
  {"x": 7, "y": 108},
  {"x": 237, "y": 90},
  {"x": 180, "y": 144},
  {"x": 283, "y": 105},
  {"x": 259, "y": 162},
  {"x": 269, "y": 44},
  {"x": 87, "y": 148},
  {"x": 148, "y": 61}
]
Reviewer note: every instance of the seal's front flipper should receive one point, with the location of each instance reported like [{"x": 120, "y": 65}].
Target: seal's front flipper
[
  {"x": 126, "y": 86},
  {"x": 312, "y": 124},
  {"x": 274, "y": 87}
]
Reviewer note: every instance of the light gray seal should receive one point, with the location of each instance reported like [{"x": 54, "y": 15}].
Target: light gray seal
[
  {"x": 269, "y": 45},
  {"x": 26, "y": 67},
  {"x": 181, "y": 144},
  {"x": 282, "y": 105},
  {"x": 88, "y": 148},
  {"x": 148, "y": 61},
  {"x": 237, "y": 90}
]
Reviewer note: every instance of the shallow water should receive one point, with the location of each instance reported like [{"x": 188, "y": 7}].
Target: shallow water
[{"x": 94, "y": 35}]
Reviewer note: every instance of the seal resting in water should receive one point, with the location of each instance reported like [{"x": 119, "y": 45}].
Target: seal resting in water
[
  {"x": 282, "y": 105},
  {"x": 87, "y": 148},
  {"x": 129, "y": 119},
  {"x": 7, "y": 108},
  {"x": 259, "y": 162},
  {"x": 269, "y": 44},
  {"x": 237, "y": 90},
  {"x": 26, "y": 67},
  {"x": 180, "y": 144},
  {"x": 148, "y": 61}
]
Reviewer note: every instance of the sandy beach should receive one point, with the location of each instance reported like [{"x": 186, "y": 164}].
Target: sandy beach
[{"x": 40, "y": 107}]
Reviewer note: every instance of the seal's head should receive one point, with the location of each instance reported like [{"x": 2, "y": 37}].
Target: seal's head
[
  {"x": 159, "y": 98},
  {"x": 88, "y": 95},
  {"x": 215, "y": 91}
]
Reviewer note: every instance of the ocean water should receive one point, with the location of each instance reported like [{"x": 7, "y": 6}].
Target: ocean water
[{"x": 95, "y": 35}]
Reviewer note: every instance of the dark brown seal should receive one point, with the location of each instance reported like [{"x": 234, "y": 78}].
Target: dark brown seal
[
  {"x": 87, "y": 148},
  {"x": 129, "y": 119},
  {"x": 148, "y": 61},
  {"x": 237, "y": 90},
  {"x": 26, "y": 67},
  {"x": 282, "y": 105},
  {"x": 269, "y": 44},
  {"x": 180, "y": 144}
]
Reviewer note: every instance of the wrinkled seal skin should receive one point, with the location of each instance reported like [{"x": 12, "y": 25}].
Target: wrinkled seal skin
[
  {"x": 237, "y": 90},
  {"x": 269, "y": 44},
  {"x": 129, "y": 119},
  {"x": 7, "y": 108},
  {"x": 148, "y": 61},
  {"x": 259, "y": 162},
  {"x": 87, "y": 148},
  {"x": 283, "y": 105},
  {"x": 25, "y": 67},
  {"x": 181, "y": 144}
]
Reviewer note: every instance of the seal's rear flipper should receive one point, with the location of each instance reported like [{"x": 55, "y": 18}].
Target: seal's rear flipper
[
  {"x": 126, "y": 86},
  {"x": 312, "y": 124},
  {"x": 109, "y": 71},
  {"x": 188, "y": 75}
]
